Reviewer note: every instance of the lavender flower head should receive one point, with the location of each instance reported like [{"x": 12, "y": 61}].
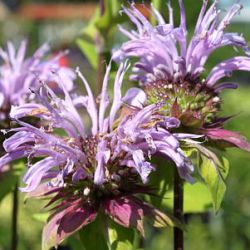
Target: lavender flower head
[
  {"x": 98, "y": 170},
  {"x": 170, "y": 68},
  {"x": 18, "y": 74}
]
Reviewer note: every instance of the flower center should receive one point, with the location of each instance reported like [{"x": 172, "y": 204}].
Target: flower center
[
  {"x": 193, "y": 104},
  {"x": 89, "y": 147}
]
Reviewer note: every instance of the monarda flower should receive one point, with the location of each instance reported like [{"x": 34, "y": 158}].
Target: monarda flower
[
  {"x": 104, "y": 169},
  {"x": 170, "y": 68},
  {"x": 18, "y": 74}
]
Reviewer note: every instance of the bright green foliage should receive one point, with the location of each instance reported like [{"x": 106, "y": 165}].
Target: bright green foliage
[
  {"x": 121, "y": 238},
  {"x": 213, "y": 172},
  {"x": 197, "y": 198},
  {"x": 88, "y": 48},
  {"x": 98, "y": 35},
  {"x": 87, "y": 42},
  {"x": 110, "y": 18}
]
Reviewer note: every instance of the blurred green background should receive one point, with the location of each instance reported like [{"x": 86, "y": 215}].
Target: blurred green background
[{"x": 230, "y": 228}]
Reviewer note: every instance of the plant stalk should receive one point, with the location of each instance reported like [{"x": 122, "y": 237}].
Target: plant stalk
[
  {"x": 15, "y": 198},
  {"x": 14, "y": 236},
  {"x": 178, "y": 210}
]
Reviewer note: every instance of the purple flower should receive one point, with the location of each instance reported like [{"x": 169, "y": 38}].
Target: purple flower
[
  {"x": 18, "y": 74},
  {"x": 101, "y": 169},
  {"x": 170, "y": 68}
]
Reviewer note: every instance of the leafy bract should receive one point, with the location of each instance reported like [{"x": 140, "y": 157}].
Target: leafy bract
[{"x": 213, "y": 171}]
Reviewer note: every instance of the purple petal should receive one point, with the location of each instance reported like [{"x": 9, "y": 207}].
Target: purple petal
[
  {"x": 135, "y": 97},
  {"x": 225, "y": 85},
  {"x": 226, "y": 67},
  {"x": 104, "y": 99},
  {"x": 91, "y": 105},
  {"x": 17, "y": 154},
  {"x": 19, "y": 138},
  {"x": 117, "y": 94},
  {"x": 143, "y": 167},
  {"x": 102, "y": 157},
  {"x": 35, "y": 173},
  {"x": 29, "y": 109}
]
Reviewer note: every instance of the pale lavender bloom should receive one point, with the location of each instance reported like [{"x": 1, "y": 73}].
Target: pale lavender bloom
[
  {"x": 141, "y": 133},
  {"x": 157, "y": 47},
  {"x": 18, "y": 74},
  {"x": 97, "y": 169},
  {"x": 169, "y": 67}
]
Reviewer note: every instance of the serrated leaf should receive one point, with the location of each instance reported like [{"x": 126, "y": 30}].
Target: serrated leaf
[{"x": 213, "y": 171}]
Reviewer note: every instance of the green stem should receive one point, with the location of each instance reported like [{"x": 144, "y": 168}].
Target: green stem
[
  {"x": 14, "y": 215},
  {"x": 178, "y": 211},
  {"x": 14, "y": 236}
]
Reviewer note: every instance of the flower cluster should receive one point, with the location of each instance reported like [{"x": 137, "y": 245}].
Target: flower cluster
[
  {"x": 18, "y": 74},
  {"x": 170, "y": 69},
  {"x": 105, "y": 168},
  {"x": 101, "y": 169}
]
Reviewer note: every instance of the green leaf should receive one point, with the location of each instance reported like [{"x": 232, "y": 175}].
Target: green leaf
[
  {"x": 197, "y": 197},
  {"x": 93, "y": 236},
  {"x": 162, "y": 182},
  {"x": 87, "y": 42},
  {"x": 89, "y": 50},
  {"x": 213, "y": 172},
  {"x": 9, "y": 178},
  {"x": 121, "y": 238},
  {"x": 7, "y": 183},
  {"x": 110, "y": 18},
  {"x": 74, "y": 242},
  {"x": 99, "y": 35},
  {"x": 160, "y": 219}
]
